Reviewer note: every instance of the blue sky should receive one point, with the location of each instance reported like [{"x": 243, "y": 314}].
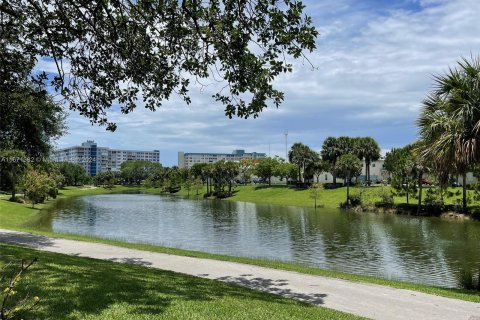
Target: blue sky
[{"x": 373, "y": 66}]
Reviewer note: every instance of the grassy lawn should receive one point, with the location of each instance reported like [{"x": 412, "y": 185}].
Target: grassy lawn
[
  {"x": 16, "y": 216},
  {"x": 279, "y": 195},
  {"x": 331, "y": 198},
  {"x": 81, "y": 288}
]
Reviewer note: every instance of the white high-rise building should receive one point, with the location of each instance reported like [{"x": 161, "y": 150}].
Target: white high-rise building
[{"x": 100, "y": 159}]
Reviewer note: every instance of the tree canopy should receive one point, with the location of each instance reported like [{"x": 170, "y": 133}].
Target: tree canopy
[
  {"x": 303, "y": 156},
  {"x": 348, "y": 166},
  {"x": 122, "y": 51},
  {"x": 401, "y": 164},
  {"x": 449, "y": 121}
]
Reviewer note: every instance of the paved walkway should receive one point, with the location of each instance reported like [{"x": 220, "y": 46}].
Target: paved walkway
[{"x": 368, "y": 300}]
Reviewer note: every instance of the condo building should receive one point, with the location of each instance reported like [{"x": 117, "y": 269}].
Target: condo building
[
  {"x": 186, "y": 160},
  {"x": 97, "y": 159}
]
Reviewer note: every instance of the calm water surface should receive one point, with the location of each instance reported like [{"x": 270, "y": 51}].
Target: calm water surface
[{"x": 426, "y": 250}]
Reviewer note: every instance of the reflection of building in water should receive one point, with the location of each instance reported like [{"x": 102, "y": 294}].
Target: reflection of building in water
[{"x": 100, "y": 159}]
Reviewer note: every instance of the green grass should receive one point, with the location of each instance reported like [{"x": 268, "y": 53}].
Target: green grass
[
  {"x": 80, "y": 288},
  {"x": 278, "y": 195},
  {"x": 329, "y": 198},
  {"x": 16, "y": 216}
]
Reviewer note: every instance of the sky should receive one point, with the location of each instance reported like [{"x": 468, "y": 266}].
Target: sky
[{"x": 374, "y": 64}]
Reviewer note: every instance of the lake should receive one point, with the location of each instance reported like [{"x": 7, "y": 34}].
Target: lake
[{"x": 424, "y": 250}]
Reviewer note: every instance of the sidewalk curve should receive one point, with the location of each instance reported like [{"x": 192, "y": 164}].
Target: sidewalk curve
[{"x": 368, "y": 300}]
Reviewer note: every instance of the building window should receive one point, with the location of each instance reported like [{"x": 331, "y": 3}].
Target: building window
[
  {"x": 326, "y": 177},
  {"x": 373, "y": 165}
]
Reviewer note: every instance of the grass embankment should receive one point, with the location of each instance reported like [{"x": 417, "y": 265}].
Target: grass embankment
[
  {"x": 329, "y": 198},
  {"x": 81, "y": 288},
  {"x": 277, "y": 195},
  {"x": 18, "y": 217}
]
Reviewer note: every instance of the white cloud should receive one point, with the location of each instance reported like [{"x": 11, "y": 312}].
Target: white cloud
[{"x": 374, "y": 68}]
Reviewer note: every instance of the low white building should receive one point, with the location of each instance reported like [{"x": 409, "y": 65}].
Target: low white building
[
  {"x": 377, "y": 173},
  {"x": 100, "y": 159}
]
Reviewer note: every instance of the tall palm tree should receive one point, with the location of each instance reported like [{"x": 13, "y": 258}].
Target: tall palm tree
[
  {"x": 348, "y": 166},
  {"x": 367, "y": 149},
  {"x": 331, "y": 152},
  {"x": 302, "y": 156},
  {"x": 333, "y": 148},
  {"x": 450, "y": 120}
]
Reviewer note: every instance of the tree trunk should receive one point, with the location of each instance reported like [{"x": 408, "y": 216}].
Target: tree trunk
[
  {"x": 303, "y": 173},
  {"x": 368, "y": 170},
  {"x": 13, "y": 190},
  {"x": 406, "y": 189},
  {"x": 334, "y": 174},
  {"x": 420, "y": 187},
  {"x": 366, "y": 173},
  {"x": 464, "y": 187},
  {"x": 269, "y": 181},
  {"x": 348, "y": 189}
]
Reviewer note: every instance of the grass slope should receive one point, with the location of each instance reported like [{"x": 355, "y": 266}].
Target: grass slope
[
  {"x": 81, "y": 288},
  {"x": 329, "y": 198},
  {"x": 16, "y": 216}
]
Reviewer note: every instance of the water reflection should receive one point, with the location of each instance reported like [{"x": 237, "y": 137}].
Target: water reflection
[{"x": 426, "y": 250}]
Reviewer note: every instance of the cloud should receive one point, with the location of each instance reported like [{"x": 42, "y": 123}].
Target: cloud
[{"x": 373, "y": 66}]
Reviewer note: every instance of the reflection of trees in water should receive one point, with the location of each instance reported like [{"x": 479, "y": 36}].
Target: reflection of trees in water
[
  {"x": 65, "y": 206},
  {"x": 409, "y": 248},
  {"x": 460, "y": 244},
  {"x": 349, "y": 243}
]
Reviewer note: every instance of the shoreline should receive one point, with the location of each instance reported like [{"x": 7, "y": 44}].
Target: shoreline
[{"x": 23, "y": 227}]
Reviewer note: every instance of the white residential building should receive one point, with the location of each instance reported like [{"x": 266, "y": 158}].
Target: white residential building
[
  {"x": 377, "y": 173},
  {"x": 100, "y": 159},
  {"x": 186, "y": 160}
]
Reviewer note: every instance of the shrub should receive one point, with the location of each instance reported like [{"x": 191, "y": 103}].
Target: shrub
[
  {"x": 19, "y": 200},
  {"x": 332, "y": 185},
  {"x": 355, "y": 200},
  {"x": 386, "y": 198},
  {"x": 432, "y": 198},
  {"x": 475, "y": 213}
]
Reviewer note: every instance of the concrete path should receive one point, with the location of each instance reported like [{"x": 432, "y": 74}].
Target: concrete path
[{"x": 368, "y": 300}]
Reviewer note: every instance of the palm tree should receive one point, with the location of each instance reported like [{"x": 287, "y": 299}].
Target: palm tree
[
  {"x": 349, "y": 165},
  {"x": 331, "y": 152},
  {"x": 367, "y": 149},
  {"x": 302, "y": 156},
  {"x": 450, "y": 120}
]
